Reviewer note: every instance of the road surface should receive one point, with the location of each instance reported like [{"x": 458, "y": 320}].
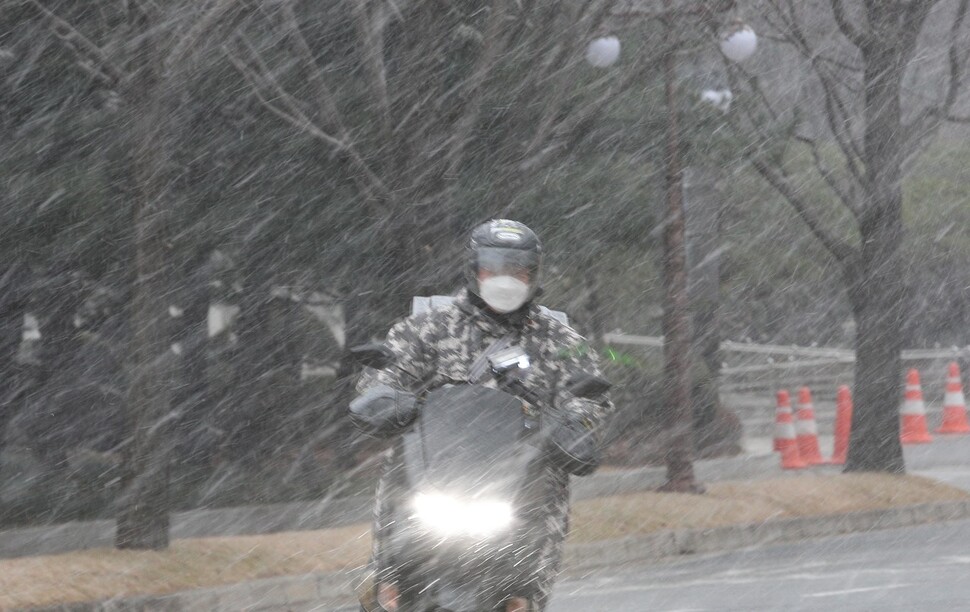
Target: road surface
[{"x": 917, "y": 568}]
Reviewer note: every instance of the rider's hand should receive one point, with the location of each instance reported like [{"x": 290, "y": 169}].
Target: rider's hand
[
  {"x": 387, "y": 596},
  {"x": 383, "y": 411},
  {"x": 574, "y": 446}
]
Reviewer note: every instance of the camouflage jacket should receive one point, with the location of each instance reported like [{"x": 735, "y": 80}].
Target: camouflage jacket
[{"x": 439, "y": 347}]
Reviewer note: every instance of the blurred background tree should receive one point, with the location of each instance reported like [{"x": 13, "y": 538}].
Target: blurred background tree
[{"x": 306, "y": 207}]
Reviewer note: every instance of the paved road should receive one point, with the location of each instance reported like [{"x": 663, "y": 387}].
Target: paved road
[
  {"x": 957, "y": 476},
  {"x": 947, "y": 459},
  {"x": 918, "y": 568},
  {"x": 951, "y": 452}
]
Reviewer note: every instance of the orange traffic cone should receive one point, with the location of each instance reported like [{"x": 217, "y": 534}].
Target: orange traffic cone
[
  {"x": 783, "y": 419},
  {"x": 785, "y": 440},
  {"x": 807, "y": 429},
  {"x": 954, "y": 404},
  {"x": 843, "y": 424},
  {"x": 913, "y": 412}
]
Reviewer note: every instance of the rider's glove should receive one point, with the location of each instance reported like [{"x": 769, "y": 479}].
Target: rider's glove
[
  {"x": 383, "y": 411},
  {"x": 574, "y": 446}
]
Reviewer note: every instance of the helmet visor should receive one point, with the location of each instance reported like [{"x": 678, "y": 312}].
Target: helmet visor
[{"x": 494, "y": 261}]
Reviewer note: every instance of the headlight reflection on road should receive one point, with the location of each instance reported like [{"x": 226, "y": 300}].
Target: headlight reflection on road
[{"x": 451, "y": 516}]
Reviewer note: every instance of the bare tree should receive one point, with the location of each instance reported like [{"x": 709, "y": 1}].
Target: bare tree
[
  {"x": 414, "y": 98},
  {"x": 415, "y": 95},
  {"x": 862, "y": 113},
  {"x": 142, "y": 64}
]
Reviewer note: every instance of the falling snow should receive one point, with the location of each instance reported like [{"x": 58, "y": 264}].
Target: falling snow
[{"x": 204, "y": 204}]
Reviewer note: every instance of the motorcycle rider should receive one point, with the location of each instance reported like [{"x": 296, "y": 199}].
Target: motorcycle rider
[{"x": 496, "y": 309}]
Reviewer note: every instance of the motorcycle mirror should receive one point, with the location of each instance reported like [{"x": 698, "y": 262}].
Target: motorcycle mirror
[
  {"x": 588, "y": 385},
  {"x": 373, "y": 355}
]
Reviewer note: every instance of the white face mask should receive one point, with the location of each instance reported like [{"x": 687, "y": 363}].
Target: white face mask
[{"x": 503, "y": 293}]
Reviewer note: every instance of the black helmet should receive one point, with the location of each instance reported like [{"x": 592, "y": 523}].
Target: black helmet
[{"x": 507, "y": 249}]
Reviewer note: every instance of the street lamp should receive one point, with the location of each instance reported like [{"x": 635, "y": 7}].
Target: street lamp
[
  {"x": 738, "y": 42},
  {"x": 603, "y": 51}
]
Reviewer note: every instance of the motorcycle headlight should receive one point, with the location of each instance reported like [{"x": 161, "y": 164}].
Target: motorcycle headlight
[{"x": 451, "y": 516}]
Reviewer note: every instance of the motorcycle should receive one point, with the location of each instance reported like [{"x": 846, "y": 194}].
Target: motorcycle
[{"x": 472, "y": 460}]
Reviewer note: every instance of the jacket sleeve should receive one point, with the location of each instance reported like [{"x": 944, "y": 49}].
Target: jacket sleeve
[
  {"x": 414, "y": 359},
  {"x": 413, "y": 366},
  {"x": 574, "y": 357}
]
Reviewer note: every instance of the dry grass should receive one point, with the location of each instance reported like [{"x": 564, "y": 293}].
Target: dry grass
[
  {"x": 186, "y": 564},
  {"x": 732, "y": 503},
  {"x": 102, "y": 573}
]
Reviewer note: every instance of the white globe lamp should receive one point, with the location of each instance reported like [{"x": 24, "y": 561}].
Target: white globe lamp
[
  {"x": 718, "y": 98},
  {"x": 603, "y": 52},
  {"x": 738, "y": 42}
]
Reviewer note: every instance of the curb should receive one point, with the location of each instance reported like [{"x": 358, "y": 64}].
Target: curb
[
  {"x": 331, "y": 591},
  {"x": 677, "y": 542},
  {"x": 240, "y": 520},
  {"x": 620, "y": 482},
  {"x": 327, "y": 513}
]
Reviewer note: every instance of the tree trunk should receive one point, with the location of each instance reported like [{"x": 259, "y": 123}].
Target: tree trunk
[
  {"x": 266, "y": 371},
  {"x": 143, "y": 520},
  {"x": 877, "y": 287},
  {"x": 702, "y": 222},
  {"x": 12, "y": 382},
  {"x": 358, "y": 329},
  {"x": 874, "y": 444},
  {"x": 879, "y": 300},
  {"x": 717, "y": 431},
  {"x": 676, "y": 323}
]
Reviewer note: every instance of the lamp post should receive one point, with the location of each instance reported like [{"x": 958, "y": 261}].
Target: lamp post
[
  {"x": 676, "y": 319},
  {"x": 737, "y": 43}
]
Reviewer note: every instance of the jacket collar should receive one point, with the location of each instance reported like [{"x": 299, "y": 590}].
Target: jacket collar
[{"x": 478, "y": 311}]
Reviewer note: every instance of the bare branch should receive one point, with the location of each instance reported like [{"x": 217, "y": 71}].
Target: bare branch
[
  {"x": 733, "y": 70},
  {"x": 596, "y": 13},
  {"x": 29, "y": 63},
  {"x": 370, "y": 29},
  {"x": 831, "y": 179},
  {"x": 839, "y": 249},
  {"x": 184, "y": 45},
  {"x": 491, "y": 46},
  {"x": 856, "y": 37},
  {"x": 322, "y": 91},
  {"x": 339, "y": 136},
  {"x": 916, "y": 15},
  {"x": 557, "y": 136},
  {"x": 91, "y": 57},
  {"x": 837, "y": 116},
  {"x": 800, "y": 43},
  {"x": 774, "y": 174},
  {"x": 291, "y": 113},
  {"x": 703, "y": 9},
  {"x": 412, "y": 112},
  {"x": 748, "y": 111},
  {"x": 836, "y": 113},
  {"x": 924, "y": 123}
]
